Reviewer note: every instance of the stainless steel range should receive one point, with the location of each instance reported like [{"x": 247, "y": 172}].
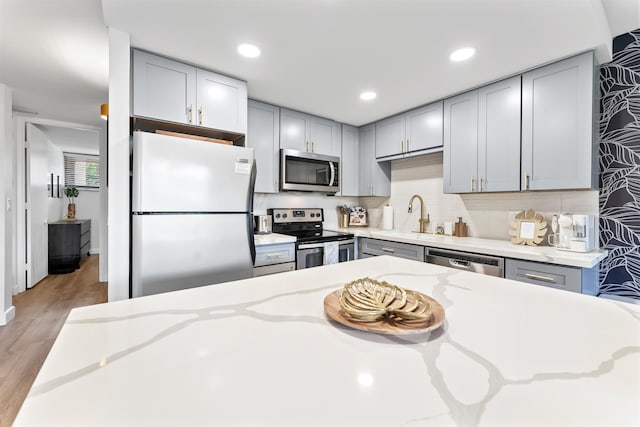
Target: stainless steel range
[{"x": 312, "y": 242}]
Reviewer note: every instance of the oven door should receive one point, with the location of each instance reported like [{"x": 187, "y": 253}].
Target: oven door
[{"x": 312, "y": 254}]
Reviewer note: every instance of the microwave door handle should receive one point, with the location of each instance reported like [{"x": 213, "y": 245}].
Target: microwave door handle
[{"x": 333, "y": 174}]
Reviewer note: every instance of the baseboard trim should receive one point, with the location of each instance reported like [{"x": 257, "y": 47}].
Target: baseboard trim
[
  {"x": 95, "y": 251},
  {"x": 8, "y": 316}
]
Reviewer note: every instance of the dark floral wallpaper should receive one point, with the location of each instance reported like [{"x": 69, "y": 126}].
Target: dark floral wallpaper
[{"x": 620, "y": 168}]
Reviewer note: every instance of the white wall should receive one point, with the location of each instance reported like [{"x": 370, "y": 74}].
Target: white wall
[
  {"x": 7, "y": 199},
  {"x": 118, "y": 199},
  {"x": 487, "y": 215}
]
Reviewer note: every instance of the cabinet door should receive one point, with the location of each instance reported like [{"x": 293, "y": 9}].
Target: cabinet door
[
  {"x": 424, "y": 127},
  {"x": 263, "y": 136},
  {"x": 349, "y": 162},
  {"x": 324, "y": 136},
  {"x": 222, "y": 102},
  {"x": 557, "y": 132},
  {"x": 375, "y": 177},
  {"x": 461, "y": 143},
  {"x": 499, "y": 136},
  {"x": 163, "y": 89},
  {"x": 293, "y": 130},
  {"x": 390, "y": 136}
]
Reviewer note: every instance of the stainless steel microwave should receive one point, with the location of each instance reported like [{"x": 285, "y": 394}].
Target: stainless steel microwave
[{"x": 302, "y": 171}]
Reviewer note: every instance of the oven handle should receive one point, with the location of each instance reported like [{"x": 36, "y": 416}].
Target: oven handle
[{"x": 321, "y": 245}]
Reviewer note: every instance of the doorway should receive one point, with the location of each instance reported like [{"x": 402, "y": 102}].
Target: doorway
[{"x": 41, "y": 150}]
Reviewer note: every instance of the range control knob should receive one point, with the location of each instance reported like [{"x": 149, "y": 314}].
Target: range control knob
[
  {"x": 312, "y": 215},
  {"x": 284, "y": 215},
  {"x": 277, "y": 215}
]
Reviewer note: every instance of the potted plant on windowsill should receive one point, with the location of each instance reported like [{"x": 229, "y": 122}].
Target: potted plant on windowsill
[{"x": 71, "y": 193}]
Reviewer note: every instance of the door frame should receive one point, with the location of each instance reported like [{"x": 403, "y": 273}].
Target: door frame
[{"x": 23, "y": 227}]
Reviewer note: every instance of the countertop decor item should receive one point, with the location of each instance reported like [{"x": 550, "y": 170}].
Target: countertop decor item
[
  {"x": 358, "y": 217},
  {"x": 71, "y": 193},
  {"x": 528, "y": 228},
  {"x": 372, "y": 306}
]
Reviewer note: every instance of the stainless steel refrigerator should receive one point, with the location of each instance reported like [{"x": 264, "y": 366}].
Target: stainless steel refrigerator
[{"x": 192, "y": 222}]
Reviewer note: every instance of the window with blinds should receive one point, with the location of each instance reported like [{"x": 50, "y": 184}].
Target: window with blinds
[{"x": 81, "y": 170}]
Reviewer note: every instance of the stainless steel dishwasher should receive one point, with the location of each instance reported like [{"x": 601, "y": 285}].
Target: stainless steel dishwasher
[{"x": 476, "y": 263}]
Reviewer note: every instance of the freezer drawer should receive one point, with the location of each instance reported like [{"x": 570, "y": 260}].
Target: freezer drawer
[{"x": 172, "y": 252}]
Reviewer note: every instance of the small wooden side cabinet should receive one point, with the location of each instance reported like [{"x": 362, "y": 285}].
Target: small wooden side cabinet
[{"x": 69, "y": 242}]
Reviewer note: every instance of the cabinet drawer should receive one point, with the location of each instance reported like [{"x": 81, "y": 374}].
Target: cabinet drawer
[
  {"x": 385, "y": 247},
  {"x": 273, "y": 269},
  {"x": 275, "y": 254},
  {"x": 85, "y": 226},
  {"x": 553, "y": 276}
]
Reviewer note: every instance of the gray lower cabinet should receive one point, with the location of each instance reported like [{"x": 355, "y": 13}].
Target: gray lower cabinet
[
  {"x": 368, "y": 247},
  {"x": 559, "y": 150},
  {"x": 69, "y": 242},
  {"x": 375, "y": 177},
  {"x": 482, "y": 139},
  {"x": 263, "y": 136},
  {"x": 574, "y": 279},
  {"x": 276, "y": 258}
]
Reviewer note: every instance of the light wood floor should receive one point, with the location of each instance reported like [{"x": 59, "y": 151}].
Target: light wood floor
[{"x": 40, "y": 314}]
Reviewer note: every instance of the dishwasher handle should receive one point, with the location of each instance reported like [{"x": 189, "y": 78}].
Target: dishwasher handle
[{"x": 457, "y": 263}]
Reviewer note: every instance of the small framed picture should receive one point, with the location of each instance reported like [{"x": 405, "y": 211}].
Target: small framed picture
[
  {"x": 56, "y": 188},
  {"x": 50, "y": 185},
  {"x": 527, "y": 230},
  {"x": 358, "y": 217}
]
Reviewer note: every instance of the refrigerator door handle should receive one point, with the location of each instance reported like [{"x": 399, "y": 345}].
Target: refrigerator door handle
[{"x": 252, "y": 185}]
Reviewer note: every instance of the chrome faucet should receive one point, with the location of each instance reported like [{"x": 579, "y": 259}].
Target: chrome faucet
[{"x": 422, "y": 221}]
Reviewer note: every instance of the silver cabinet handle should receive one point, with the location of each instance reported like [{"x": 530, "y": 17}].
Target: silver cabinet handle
[
  {"x": 313, "y": 147},
  {"x": 539, "y": 277},
  {"x": 480, "y": 183},
  {"x": 526, "y": 180},
  {"x": 471, "y": 183},
  {"x": 308, "y": 146},
  {"x": 190, "y": 110},
  {"x": 200, "y": 115},
  {"x": 407, "y": 149},
  {"x": 402, "y": 145},
  {"x": 388, "y": 250}
]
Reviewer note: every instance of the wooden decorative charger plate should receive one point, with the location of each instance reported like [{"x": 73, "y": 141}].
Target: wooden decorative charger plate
[{"x": 385, "y": 325}]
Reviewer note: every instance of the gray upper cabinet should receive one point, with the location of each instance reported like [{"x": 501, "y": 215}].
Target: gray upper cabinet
[
  {"x": 482, "y": 139},
  {"x": 461, "y": 143},
  {"x": 423, "y": 127},
  {"x": 163, "y": 89},
  {"x": 350, "y": 162},
  {"x": 410, "y": 133},
  {"x": 375, "y": 178},
  {"x": 390, "y": 136},
  {"x": 558, "y": 148},
  {"x": 222, "y": 102},
  {"x": 263, "y": 136},
  {"x": 304, "y": 132},
  {"x": 168, "y": 90},
  {"x": 499, "y": 136}
]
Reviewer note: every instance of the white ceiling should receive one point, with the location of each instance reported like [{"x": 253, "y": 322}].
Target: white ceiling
[
  {"x": 317, "y": 55},
  {"x": 72, "y": 140}
]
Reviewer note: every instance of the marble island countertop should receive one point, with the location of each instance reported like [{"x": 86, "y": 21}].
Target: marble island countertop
[
  {"x": 262, "y": 352},
  {"x": 503, "y": 248}
]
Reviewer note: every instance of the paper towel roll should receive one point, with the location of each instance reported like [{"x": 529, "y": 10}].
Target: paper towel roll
[{"x": 387, "y": 218}]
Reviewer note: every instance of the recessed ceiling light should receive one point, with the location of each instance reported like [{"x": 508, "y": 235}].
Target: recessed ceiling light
[
  {"x": 367, "y": 96},
  {"x": 462, "y": 54},
  {"x": 248, "y": 50}
]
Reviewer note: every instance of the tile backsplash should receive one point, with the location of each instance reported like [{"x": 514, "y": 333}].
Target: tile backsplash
[{"x": 487, "y": 215}]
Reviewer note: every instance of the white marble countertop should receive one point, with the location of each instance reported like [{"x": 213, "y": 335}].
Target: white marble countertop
[
  {"x": 261, "y": 352},
  {"x": 272, "y": 239},
  {"x": 501, "y": 248}
]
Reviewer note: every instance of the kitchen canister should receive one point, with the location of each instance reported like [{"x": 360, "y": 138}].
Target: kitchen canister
[{"x": 387, "y": 218}]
